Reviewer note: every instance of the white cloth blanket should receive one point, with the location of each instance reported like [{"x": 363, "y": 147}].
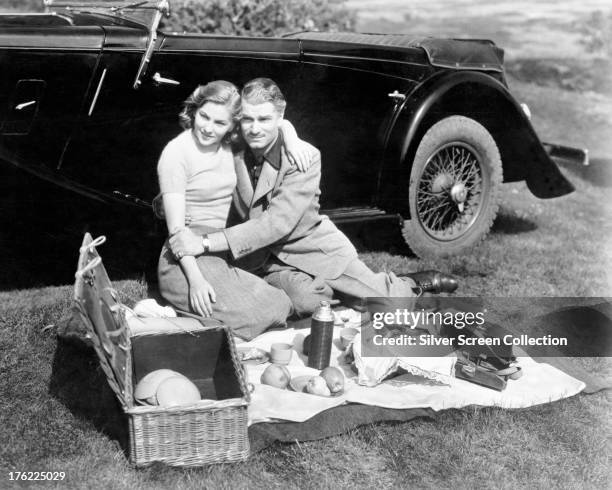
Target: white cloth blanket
[{"x": 540, "y": 383}]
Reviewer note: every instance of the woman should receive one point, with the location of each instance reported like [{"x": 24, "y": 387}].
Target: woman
[{"x": 197, "y": 178}]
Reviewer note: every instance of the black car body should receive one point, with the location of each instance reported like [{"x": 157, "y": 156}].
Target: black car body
[{"x": 89, "y": 98}]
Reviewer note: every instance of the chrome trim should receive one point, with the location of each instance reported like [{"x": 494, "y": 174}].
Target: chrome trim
[
  {"x": 395, "y": 95},
  {"x": 23, "y": 105},
  {"x": 526, "y": 110},
  {"x": 157, "y": 78},
  {"x": 95, "y": 97}
]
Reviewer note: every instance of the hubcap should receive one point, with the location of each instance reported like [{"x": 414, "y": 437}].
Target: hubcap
[{"x": 450, "y": 191}]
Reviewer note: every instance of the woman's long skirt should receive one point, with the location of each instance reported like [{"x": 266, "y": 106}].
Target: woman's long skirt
[{"x": 244, "y": 302}]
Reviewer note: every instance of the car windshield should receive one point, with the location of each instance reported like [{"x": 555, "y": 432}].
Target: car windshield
[{"x": 140, "y": 11}]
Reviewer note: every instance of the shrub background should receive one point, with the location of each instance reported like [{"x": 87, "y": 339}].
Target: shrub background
[
  {"x": 259, "y": 17},
  {"x": 241, "y": 17}
]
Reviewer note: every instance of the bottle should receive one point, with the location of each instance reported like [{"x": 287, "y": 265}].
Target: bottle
[{"x": 321, "y": 336}]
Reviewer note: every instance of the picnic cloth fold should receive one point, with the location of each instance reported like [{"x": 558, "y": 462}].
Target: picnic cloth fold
[{"x": 329, "y": 423}]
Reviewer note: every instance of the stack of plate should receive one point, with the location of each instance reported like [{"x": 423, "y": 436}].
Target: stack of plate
[{"x": 166, "y": 388}]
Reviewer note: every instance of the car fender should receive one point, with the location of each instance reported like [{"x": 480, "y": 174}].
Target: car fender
[{"x": 484, "y": 99}]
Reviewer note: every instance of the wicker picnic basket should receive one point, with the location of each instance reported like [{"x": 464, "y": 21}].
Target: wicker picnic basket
[{"x": 213, "y": 430}]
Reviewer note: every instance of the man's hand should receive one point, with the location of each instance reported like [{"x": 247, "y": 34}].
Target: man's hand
[{"x": 186, "y": 242}]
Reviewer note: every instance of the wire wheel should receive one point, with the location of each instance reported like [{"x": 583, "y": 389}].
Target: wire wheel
[
  {"x": 454, "y": 186},
  {"x": 449, "y": 191}
]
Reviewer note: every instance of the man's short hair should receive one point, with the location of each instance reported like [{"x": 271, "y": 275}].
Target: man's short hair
[{"x": 262, "y": 90}]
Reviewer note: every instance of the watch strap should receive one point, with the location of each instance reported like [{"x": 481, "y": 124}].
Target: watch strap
[{"x": 206, "y": 244}]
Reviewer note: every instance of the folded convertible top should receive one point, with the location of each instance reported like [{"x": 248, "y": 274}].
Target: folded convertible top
[{"x": 467, "y": 54}]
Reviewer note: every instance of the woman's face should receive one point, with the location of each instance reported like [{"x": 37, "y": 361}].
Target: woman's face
[{"x": 211, "y": 123}]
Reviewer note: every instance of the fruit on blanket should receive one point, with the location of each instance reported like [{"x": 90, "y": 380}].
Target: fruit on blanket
[
  {"x": 277, "y": 376},
  {"x": 333, "y": 378},
  {"x": 317, "y": 386}
]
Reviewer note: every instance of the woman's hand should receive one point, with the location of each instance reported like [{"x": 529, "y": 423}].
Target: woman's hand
[
  {"x": 201, "y": 295},
  {"x": 300, "y": 154},
  {"x": 298, "y": 151}
]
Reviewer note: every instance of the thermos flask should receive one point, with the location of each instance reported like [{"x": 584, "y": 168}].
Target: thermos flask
[{"x": 321, "y": 335}]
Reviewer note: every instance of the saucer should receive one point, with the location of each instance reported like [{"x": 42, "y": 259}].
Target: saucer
[
  {"x": 252, "y": 355},
  {"x": 299, "y": 384}
]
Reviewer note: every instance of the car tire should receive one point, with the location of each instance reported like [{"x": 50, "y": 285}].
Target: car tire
[{"x": 454, "y": 188}]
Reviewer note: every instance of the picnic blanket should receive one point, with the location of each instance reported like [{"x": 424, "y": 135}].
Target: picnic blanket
[
  {"x": 342, "y": 418},
  {"x": 540, "y": 383},
  {"x": 558, "y": 377}
]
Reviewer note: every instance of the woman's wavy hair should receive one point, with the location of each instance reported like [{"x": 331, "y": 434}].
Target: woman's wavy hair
[{"x": 218, "y": 92}]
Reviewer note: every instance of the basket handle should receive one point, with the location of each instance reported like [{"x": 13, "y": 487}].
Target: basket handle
[
  {"x": 92, "y": 264},
  {"x": 94, "y": 243}
]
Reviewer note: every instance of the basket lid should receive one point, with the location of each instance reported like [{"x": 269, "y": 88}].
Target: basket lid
[{"x": 97, "y": 304}]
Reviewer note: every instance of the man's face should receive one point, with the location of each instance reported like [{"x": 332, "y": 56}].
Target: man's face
[{"x": 260, "y": 124}]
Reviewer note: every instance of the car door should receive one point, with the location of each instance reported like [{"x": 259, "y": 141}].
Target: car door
[
  {"x": 45, "y": 74},
  {"x": 117, "y": 146},
  {"x": 345, "y": 107}
]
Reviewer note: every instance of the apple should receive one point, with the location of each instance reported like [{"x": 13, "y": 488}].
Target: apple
[
  {"x": 277, "y": 376},
  {"x": 334, "y": 378},
  {"x": 317, "y": 386}
]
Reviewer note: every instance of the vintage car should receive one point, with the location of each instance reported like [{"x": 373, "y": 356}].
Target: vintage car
[{"x": 422, "y": 131}]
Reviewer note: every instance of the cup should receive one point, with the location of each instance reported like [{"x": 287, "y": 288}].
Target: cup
[
  {"x": 281, "y": 353},
  {"x": 347, "y": 335}
]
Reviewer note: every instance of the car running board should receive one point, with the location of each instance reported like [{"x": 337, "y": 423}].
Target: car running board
[{"x": 354, "y": 214}]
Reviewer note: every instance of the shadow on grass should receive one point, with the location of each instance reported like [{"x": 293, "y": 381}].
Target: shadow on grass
[
  {"x": 510, "y": 224},
  {"x": 78, "y": 383},
  {"x": 587, "y": 328},
  {"x": 598, "y": 172},
  {"x": 377, "y": 236}
]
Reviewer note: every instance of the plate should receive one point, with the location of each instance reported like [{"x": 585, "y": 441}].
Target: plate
[
  {"x": 147, "y": 386},
  {"x": 299, "y": 384},
  {"x": 176, "y": 391},
  {"x": 252, "y": 355}
]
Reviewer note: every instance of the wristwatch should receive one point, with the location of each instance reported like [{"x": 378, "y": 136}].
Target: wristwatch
[{"x": 206, "y": 244}]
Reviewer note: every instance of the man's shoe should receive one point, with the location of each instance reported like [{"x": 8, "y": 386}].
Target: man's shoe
[{"x": 434, "y": 282}]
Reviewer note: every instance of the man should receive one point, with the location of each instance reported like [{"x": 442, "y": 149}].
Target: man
[{"x": 285, "y": 239}]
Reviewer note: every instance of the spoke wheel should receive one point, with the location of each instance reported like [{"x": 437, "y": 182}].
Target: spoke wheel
[
  {"x": 449, "y": 191},
  {"x": 453, "y": 189}
]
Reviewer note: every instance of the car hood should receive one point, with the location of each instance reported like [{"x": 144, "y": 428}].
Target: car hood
[{"x": 466, "y": 54}]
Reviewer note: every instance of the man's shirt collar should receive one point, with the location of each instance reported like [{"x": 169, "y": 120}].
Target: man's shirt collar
[{"x": 272, "y": 155}]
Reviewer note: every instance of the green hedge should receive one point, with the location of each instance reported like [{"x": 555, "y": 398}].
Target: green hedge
[
  {"x": 259, "y": 17},
  {"x": 242, "y": 17}
]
